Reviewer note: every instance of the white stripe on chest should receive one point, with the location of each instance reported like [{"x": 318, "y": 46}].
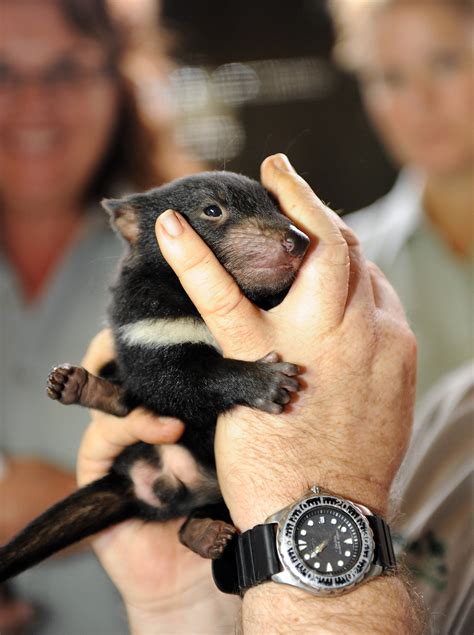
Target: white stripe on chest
[{"x": 167, "y": 332}]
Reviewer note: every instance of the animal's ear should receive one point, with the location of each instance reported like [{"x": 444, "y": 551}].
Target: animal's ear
[{"x": 124, "y": 217}]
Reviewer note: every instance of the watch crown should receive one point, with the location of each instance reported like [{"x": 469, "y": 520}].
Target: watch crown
[{"x": 315, "y": 489}]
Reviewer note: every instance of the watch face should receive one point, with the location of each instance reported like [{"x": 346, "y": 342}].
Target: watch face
[{"x": 326, "y": 542}]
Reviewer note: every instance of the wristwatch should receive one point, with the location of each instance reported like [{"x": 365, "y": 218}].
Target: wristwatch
[{"x": 323, "y": 543}]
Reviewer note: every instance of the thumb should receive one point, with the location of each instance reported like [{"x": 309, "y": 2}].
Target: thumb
[{"x": 232, "y": 319}]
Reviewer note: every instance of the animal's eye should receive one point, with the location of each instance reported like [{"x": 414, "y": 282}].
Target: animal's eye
[{"x": 213, "y": 211}]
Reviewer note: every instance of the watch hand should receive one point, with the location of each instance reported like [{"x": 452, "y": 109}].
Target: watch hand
[{"x": 322, "y": 545}]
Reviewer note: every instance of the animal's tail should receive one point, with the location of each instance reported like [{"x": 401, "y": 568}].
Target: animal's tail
[{"x": 90, "y": 509}]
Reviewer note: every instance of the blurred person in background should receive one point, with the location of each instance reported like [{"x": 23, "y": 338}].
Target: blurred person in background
[
  {"x": 415, "y": 63},
  {"x": 72, "y": 130}
]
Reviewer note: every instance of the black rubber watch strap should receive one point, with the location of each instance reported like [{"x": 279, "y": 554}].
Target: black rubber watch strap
[
  {"x": 257, "y": 557},
  {"x": 251, "y": 558},
  {"x": 384, "y": 554}
]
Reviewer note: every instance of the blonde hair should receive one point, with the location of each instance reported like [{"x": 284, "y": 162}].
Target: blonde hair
[{"x": 351, "y": 17}]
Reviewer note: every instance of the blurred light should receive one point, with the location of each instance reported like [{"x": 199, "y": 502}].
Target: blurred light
[
  {"x": 261, "y": 82},
  {"x": 207, "y": 99},
  {"x": 190, "y": 85},
  {"x": 235, "y": 84},
  {"x": 157, "y": 99},
  {"x": 213, "y": 138},
  {"x": 293, "y": 79}
]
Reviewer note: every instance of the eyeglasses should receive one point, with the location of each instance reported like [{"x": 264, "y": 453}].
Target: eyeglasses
[{"x": 64, "y": 78}]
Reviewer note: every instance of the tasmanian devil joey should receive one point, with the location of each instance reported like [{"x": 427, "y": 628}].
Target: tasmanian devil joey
[{"x": 168, "y": 362}]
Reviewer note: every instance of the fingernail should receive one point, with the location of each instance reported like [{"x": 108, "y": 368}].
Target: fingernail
[
  {"x": 281, "y": 161},
  {"x": 171, "y": 223}
]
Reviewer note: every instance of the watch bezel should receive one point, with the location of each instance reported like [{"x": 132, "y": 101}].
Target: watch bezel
[{"x": 310, "y": 579}]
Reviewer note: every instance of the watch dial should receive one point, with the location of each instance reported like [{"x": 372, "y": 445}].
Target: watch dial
[{"x": 327, "y": 541}]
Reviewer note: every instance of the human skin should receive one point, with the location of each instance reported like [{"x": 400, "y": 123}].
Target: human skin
[
  {"x": 20, "y": 476},
  {"x": 53, "y": 134},
  {"x": 415, "y": 64},
  {"x": 52, "y": 137},
  {"x": 344, "y": 326},
  {"x": 146, "y": 561},
  {"x": 417, "y": 77},
  {"x": 15, "y": 614},
  {"x": 51, "y": 142}
]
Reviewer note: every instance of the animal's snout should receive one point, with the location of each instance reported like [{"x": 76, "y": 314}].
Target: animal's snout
[{"x": 295, "y": 242}]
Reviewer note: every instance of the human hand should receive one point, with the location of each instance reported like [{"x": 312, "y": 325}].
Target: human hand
[
  {"x": 343, "y": 324},
  {"x": 163, "y": 584}
]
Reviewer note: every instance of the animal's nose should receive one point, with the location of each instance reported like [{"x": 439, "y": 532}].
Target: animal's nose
[{"x": 295, "y": 242}]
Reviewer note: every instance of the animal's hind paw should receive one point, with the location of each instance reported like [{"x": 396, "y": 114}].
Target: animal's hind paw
[
  {"x": 66, "y": 383},
  {"x": 207, "y": 537}
]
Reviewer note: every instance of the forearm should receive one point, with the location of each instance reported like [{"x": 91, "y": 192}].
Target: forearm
[
  {"x": 27, "y": 487},
  {"x": 384, "y": 605}
]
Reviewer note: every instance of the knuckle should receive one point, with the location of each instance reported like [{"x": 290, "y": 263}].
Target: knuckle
[
  {"x": 410, "y": 342},
  {"x": 400, "y": 332},
  {"x": 268, "y": 162},
  {"x": 226, "y": 298},
  {"x": 349, "y": 236},
  {"x": 347, "y": 232},
  {"x": 197, "y": 259},
  {"x": 301, "y": 193}
]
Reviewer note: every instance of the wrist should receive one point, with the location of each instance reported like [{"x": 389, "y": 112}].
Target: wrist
[
  {"x": 380, "y": 603},
  {"x": 258, "y": 504},
  {"x": 287, "y": 468}
]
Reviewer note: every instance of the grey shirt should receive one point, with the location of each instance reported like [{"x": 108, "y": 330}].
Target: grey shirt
[
  {"x": 75, "y": 592},
  {"x": 434, "y": 531}
]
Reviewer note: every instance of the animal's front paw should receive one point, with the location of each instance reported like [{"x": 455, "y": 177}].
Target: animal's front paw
[
  {"x": 66, "y": 383},
  {"x": 276, "y": 380},
  {"x": 207, "y": 537}
]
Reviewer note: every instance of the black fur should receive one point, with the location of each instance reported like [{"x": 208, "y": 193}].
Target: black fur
[{"x": 190, "y": 381}]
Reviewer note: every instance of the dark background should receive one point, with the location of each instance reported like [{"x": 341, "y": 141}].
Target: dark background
[{"x": 326, "y": 135}]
